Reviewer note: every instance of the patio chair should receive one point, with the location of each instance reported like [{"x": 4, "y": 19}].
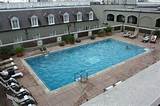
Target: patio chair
[
  {"x": 134, "y": 35},
  {"x": 146, "y": 38},
  {"x": 6, "y": 61},
  {"x": 153, "y": 39},
  {"x": 31, "y": 105},
  {"x": 18, "y": 90},
  {"x": 43, "y": 49},
  {"x": 8, "y": 65},
  {"x": 26, "y": 100},
  {"x": 13, "y": 68},
  {"x": 5, "y": 85},
  {"x": 126, "y": 34},
  {"x": 11, "y": 73}
]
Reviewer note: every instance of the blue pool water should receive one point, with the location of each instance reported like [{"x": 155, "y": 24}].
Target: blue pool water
[{"x": 59, "y": 68}]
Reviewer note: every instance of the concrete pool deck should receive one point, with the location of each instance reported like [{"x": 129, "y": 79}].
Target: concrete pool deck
[
  {"x": 140, "y": 90},
  {"x": 77, "y": 94}
]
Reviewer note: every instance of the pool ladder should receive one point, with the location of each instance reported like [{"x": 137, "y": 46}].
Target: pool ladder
[{"x": 81, "y": 76}]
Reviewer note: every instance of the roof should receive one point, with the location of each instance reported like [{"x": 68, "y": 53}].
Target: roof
[
  {"x": 25, "y": 15},
  {"x": 152, "y": 10},
  {"x": 140, "y": 90}
]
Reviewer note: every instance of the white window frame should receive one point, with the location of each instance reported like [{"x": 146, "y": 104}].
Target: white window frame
[
  {"x": 34, "y": 21},
  {"x": 51, "y": 20},
  {"x": 79, "y": 16},
  {"x": 91, "y": 15},
  {"x": 66, "y": 17},
  {"x": 15, "y": 23}
]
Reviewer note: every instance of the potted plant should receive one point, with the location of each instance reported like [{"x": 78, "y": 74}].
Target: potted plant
[
  {"x": 65, "y": 39},
  {"x": 6, "y": 52},
  {"x": 101, "y": 33},
  {"x": 69, "y": 39},
  {"x": 62, "y": 43},
  {"x": 78, "y": 40},
  {"x": 108, "y": 31},
  {"x": 19, "y": 51},
  {"x": 92, "y": 37}
]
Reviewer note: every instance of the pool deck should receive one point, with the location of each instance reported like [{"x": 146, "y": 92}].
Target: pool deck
[
  {"x": 140, "y": 90},
  {"x": 78, "y": 93}
]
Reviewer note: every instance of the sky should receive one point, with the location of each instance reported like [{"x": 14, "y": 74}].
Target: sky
[{"x": 27, "y": 0}]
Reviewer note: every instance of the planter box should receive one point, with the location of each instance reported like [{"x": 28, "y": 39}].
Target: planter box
[
  {"x": 108, "y": 33},
  {"x": 101, "y": 35}
]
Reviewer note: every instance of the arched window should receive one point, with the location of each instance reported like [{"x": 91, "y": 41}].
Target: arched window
[
  {"x": 120, "y": 18},
  {"x": 91, "y": 15},
  {"x": 34, "y": 21},
  {"x": 158, "y": 22},
  {"x": 51, "y": 19},
  {"x": 66, "y": 18},
  {"x": 110, "y": 17},
  {"x": 132, "y": 20},
  {"x": 79, "y": 16},
  {"x": 15, "y": 23}
]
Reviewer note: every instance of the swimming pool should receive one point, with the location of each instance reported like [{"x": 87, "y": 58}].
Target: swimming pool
[{"x": 59, "y": 68}]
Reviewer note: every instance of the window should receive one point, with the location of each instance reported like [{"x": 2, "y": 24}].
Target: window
[
  {"x": 51, "y": 19},
  {"x": 91, "y": 15},
  {"x": 120, "y": 18},
  {"x": 34, "y": 21},
  {"x": 132, "y": 19},
  {"x": 15, "y": 23},
  {"x": 110, "y": 17},
  {"x": 66, "y": 18},
  {"x": 158, "y": 22},
  {"x": 79, "y": 16}
]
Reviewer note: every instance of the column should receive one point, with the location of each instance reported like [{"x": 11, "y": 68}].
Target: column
[
  {"x": 89, "y": 33},
  {"x": 59, "y": 39},
  {"x": 75, "y": 35}
]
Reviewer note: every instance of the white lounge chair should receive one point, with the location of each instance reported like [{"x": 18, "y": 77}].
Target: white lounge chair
[
  {"x": 12, "y": 73},
  {"x": 146, "y": 38},
  {"x": 13, "y": 87},
  {"x": 134, "y": 35},
  {"x": 31, "y": 104},
  {"x": 126, "y": 34},
  {"x": 153, "y": 39},
  {"x": 6, "y": 61},
  {"x": 5, "y": 66},
  {"x": 24, "y": 101}
]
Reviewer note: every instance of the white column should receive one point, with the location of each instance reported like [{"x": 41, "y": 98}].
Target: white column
[
  {"x": 59, "y": 39},
  {"x": 89, "y": 33},
  {"x": 75, "y": 35},
  {"x": 39, "y": 42}
]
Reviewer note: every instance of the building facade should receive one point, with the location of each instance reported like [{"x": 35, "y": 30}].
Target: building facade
[{"x": 27, "y": 25}]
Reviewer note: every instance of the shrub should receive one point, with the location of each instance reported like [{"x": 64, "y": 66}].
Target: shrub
[
  {"x": 92, "y": 37},
  {"x": 108, "y": 29},
  {"x": 69, "y": 39},
  {"x": 78, "y": 40},
  {"x": 19, "y": 50},
  {"x": 6, "y": 52}
]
